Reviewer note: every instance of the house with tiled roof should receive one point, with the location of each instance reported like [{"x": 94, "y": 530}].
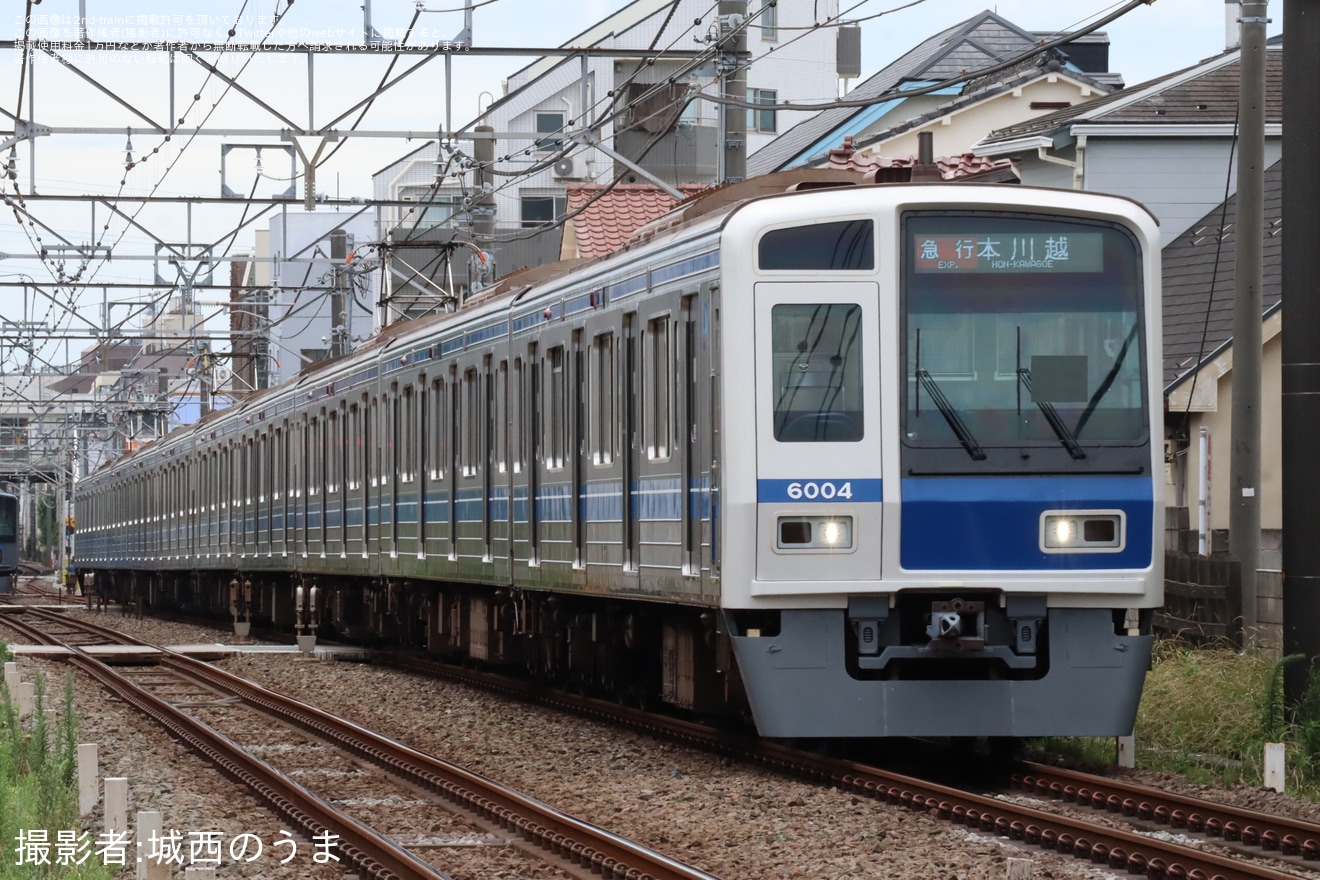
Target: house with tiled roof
[
  {"x": 960, "y": 114},
  {"x": 562, "y": 121},
  {"x": 1198, "y": 289},
  {"x": 602, "y": 218},
  {"x": 962, "y": 168},
  {"x": 1166, "y": 143}
]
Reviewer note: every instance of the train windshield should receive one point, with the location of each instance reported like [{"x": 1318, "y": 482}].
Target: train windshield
[{"x": 1023, "y": 345}]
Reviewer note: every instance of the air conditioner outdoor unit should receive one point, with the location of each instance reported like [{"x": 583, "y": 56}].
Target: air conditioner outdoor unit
[{"x": 569, "y": 168}]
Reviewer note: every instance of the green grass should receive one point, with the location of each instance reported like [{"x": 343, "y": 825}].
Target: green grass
[
  {"x": 1208, "y": 712},
  {"x": 38, "y": 790}
]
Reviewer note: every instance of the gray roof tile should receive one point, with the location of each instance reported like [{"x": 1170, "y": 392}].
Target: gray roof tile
[
  {"x": 983, "y": 39},
  {"x": 1182, "y": 97},
  {"x": 1198, "y": 297}
]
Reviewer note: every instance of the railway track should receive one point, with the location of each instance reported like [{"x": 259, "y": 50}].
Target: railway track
[
  {"x": 581, "y": 849},
  {"x": 1256, "y": 842},
  {"x": 1245, "y": 830},
  {"x": 1255, "y": 837}
]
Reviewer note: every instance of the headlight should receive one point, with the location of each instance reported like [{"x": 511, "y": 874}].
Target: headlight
[
  {"x": 814, "y": 533},
  {"x": 1082, "y": 531}
]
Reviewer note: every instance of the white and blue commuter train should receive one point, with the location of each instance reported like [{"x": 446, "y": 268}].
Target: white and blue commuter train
[
  {"x": 866, "y": 461},
  {"x": 8, "y": 541}
]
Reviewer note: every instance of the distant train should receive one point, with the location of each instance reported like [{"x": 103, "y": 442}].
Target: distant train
[
  {"x": 863, "y": 461},
  {"x": 8, "y": 541}
]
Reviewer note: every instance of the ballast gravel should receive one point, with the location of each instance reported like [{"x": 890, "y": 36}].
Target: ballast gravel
[{"x": 734, "y": 821}]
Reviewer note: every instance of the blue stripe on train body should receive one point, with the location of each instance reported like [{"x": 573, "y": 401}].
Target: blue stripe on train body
[
  {"x": 601, "y": 501},
  {"x": 470, "y": 505},
  {"x": 437, "y": 507},
  {"x": 554, "y": 503},
  {"x": 993, "y": 523},
  {"x": 520, "y": 506},
  {"x": 498, "y": 505},
  {"x": 658, "y": 498}
]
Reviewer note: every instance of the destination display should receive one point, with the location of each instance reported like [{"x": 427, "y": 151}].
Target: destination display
[{"x": 998, "y": 253}]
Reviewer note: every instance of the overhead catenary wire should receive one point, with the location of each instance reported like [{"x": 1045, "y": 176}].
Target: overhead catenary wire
[
  {"x": 700, "y": 95},
  {"x": 71, "y": 282},
  {"x": 945, "y": 83},
  {"x": 614, "y": 115}
]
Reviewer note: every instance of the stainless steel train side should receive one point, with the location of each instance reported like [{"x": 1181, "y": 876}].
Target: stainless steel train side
[{"x": 595, "y": 475}]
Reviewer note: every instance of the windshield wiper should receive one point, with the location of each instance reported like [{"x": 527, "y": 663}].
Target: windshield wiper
[
  {"x": 1052, "y": 416},
  {"x": 951, "y": 416}
]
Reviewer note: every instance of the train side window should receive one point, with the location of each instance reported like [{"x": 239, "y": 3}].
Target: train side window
[
  {"x": 407, "y": 436},
  {"x": 555, "y": 412},
  {"x": 314, "y": 449},
  {"x": 471, "y": 422},
  {"x": 658, "y": 389},
  {"x": 602, "y": 388},
  {"x": 420, "y": 429},
  {"x": 519, "y": 418},
  {"x": 373, "y": 452},
  {"x": 500, "y": 417},
  {"x": 841, "y": 245},
  {"x": 352, "y": 432},
  {"x": 817, "y": 352},
  {"x": 439, "y": 446}
]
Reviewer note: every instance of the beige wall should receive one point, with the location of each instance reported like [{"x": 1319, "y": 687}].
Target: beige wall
[
  {"x": 1212, "y": 407},
  {"x": 955, "y": 132}
]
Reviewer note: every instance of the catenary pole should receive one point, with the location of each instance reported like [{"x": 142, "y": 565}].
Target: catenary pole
[
  {"x": 733, "y": 146},
  {"x": 1244, "y": 455},
  {"x": 1301, "y": 339}
]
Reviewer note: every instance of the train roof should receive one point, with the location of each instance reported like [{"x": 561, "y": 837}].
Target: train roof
[{"x": 692, "y": 218}]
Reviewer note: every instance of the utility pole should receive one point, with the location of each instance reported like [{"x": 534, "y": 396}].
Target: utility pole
[
  {"x": 206, "y": 401},
  {"x": 733, "y": 57},
  {"x": 1244, "y": 457},
  {"x": 1301, "y": 341},
  {"x": 338, "y": 254},
  {"x": 483, "y": 208}
]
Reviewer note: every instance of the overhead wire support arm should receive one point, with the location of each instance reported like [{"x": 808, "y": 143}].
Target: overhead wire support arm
[
  {"x": 619, "y": 54},
  {"x": 233, "y": 84},
  {"x": 71, "y": 67}
]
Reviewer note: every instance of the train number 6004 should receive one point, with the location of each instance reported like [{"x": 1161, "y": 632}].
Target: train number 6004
[{"x": 811, "y": 490}]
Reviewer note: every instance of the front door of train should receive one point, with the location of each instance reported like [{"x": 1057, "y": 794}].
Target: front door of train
[{"x": 818, "y": 440}]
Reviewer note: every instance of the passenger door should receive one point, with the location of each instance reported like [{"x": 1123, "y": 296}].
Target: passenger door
[{"x": 818, "y": 441}]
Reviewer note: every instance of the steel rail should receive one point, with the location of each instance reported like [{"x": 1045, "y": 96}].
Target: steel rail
[
  {"x": 1291, "y": 837},
  {"x": 1137, "y": 853},
  {"x": 566, "y": 836},
  {"x": 373, "y": 855},
  {"x": 1118, "y": 849}
]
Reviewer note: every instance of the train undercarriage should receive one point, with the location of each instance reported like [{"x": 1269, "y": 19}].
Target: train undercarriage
[{"x": 638, "y": 652}]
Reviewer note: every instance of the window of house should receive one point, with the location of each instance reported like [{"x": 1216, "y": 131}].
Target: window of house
[
  {"x": 551, "y": 123},
  {"x": 434, "y": 209},
  {"x": 542, "y": 210},
  {"x": 769, "y": 19},
  {"x": 762, "y": 120}
]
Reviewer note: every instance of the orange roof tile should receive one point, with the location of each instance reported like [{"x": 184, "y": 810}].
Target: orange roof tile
[
  {"x": 950, "y": 167},
  {"x": 610, "y": 215}
]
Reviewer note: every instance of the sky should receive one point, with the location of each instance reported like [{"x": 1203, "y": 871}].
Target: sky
[{"x": 1147, "y": 42}]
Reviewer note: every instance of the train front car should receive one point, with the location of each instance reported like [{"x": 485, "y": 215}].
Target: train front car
[
  {"x": 945, "y": 520},
  {"x": 8, "y": 541}
]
